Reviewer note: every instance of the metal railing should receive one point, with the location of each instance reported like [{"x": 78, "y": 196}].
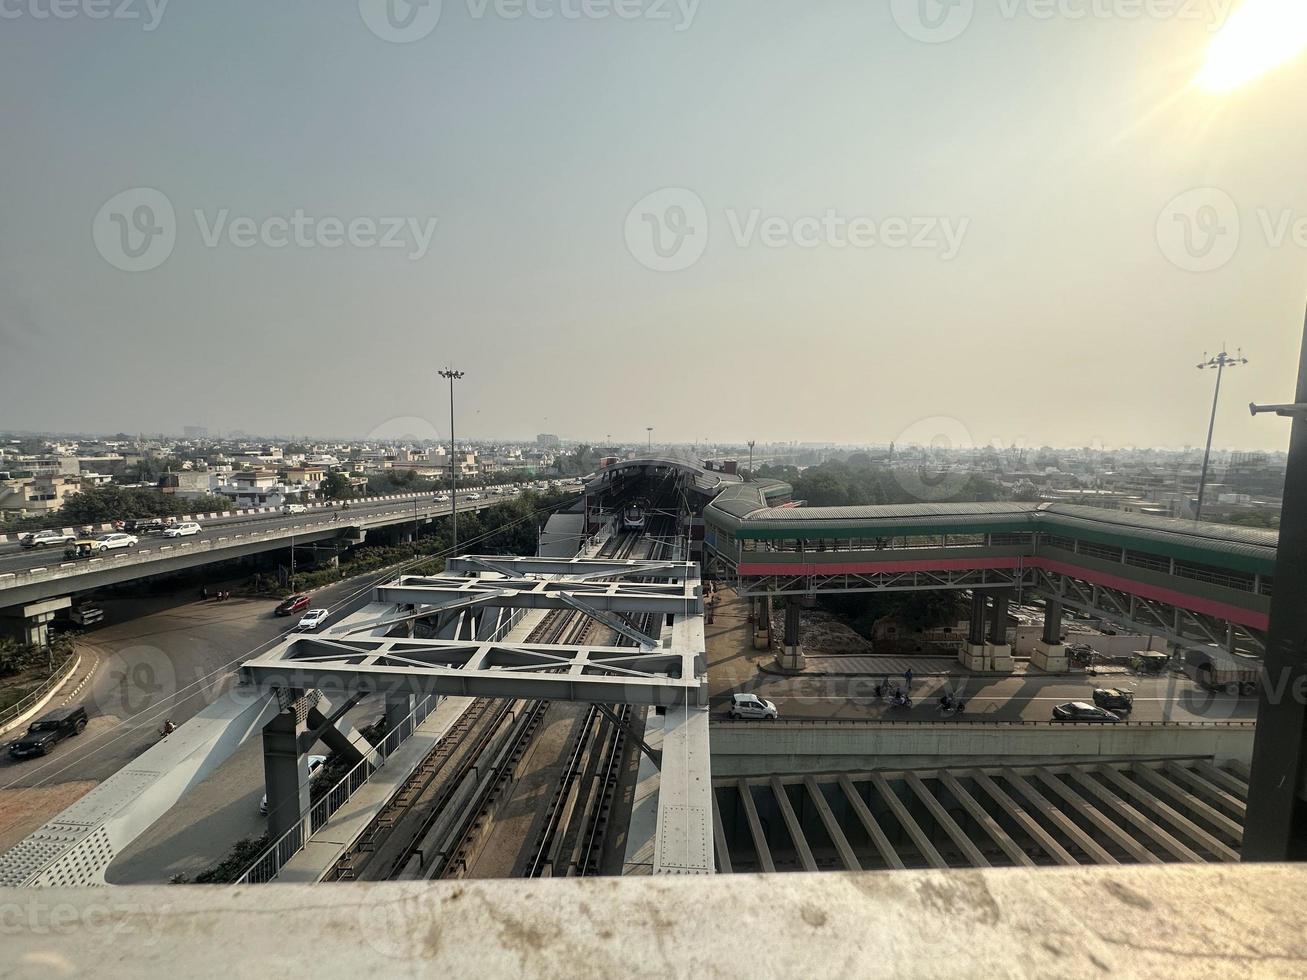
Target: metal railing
[
  {"x": 268, "y": 865},
  {"x": 45, "y": 687}
]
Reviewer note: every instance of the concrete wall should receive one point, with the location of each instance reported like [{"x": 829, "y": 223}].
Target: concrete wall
[{"x": 765, "y": 748}]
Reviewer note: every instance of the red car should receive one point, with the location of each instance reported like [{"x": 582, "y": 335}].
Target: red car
[{"x": 292, "y": 605}]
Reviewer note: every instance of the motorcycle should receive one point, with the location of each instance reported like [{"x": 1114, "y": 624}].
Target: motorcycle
[
  {"x": 899, "y": 700},
  {"x": 951, "y": 706}
]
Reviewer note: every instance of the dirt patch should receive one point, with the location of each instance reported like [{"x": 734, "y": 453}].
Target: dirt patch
[
  {"x": 822, "y": 634},
  {"x": 23, "y": 810}
]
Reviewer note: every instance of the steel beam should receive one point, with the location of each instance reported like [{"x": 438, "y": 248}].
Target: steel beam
[
  {"x": 869, "y": 823},
  {"x": 942, "y": 817},
  {"x": 904, "y": 817},
  {"x": 1195, "y": 833},
  {"x": 1188, "y": 777},
  {"x": 792, "y": 825},
  {"x": 1159, "y": 835},
  {"x": 1029, "y": 824},
  {"x": 992, "y": 827},
  {"x": 842, "y": 847},
  {"x": 1195, "y": 806},
  {"x": 1103, "y": 824},
  {"x": 760, "y": 847},
  {"x": 1236, "y": 787},
  {"x": 722, "y": 852},
  {"x": 1059, "y": 819}
]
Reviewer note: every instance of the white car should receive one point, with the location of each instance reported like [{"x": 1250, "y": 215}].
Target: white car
[
  {"x": 472, "y": 496},
  {"x": 752, "y": 706},
  {"x": 182, "y": 530},
  {"x": 43, "y": 539},
  {"x": 312, "y": 619},
  {"x": 108, "y": 542},
  {"x": 316, "y": 762},
  {"x": 294, "y": 509}
]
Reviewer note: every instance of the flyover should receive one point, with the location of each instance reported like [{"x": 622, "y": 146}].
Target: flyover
[{"x": 32, "y": 579}]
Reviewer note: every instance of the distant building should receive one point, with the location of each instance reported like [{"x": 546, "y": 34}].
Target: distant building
[
  {"x": 194, "y": 432},
  {"x": 36, "y": 495},
  {"x": 547, "y": 440}
]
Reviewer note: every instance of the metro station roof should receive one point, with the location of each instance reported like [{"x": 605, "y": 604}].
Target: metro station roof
[{"x": 744, "y": 510}]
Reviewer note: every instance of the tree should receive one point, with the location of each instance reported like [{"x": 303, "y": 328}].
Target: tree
[{"x": 336, "y": 486}]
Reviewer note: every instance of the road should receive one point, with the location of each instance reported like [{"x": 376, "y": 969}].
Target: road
[
  {"x": 160, "y": 658},
  {"x": 734, "y": 667},
  {"x": 15, "y": 558}
]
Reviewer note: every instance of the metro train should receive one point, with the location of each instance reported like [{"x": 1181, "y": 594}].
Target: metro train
[{"x": 633, "y": 518}]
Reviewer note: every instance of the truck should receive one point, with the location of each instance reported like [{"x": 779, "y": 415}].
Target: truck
[{"x": 1219, "y": 670}]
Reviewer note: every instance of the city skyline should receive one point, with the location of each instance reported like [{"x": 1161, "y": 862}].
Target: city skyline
[{"x": 882, "y": 227}]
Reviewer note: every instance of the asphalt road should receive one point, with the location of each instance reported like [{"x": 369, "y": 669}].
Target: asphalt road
[
  {"x": 1014, "y": 698},
  {"x": 15, "y": 558},
  {"x": 159, "y": 658}
]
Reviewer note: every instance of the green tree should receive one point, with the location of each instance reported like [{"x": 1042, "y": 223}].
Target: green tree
[{"x": 336, "y": 486}]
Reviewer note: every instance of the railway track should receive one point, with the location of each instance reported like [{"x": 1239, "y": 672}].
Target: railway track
[{"x": 446, "y": 812}]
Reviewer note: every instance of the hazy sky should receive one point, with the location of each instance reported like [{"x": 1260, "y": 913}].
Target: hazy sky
[{"x": 871, "y": 232}]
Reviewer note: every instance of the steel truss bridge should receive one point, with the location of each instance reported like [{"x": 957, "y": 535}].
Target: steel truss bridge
[{"x": 287, "y": 695}]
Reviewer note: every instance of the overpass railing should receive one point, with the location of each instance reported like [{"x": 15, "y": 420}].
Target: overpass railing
[
  {"x": 969, "y": 723},
  {"x": 145, "y": 556},
  {"x": 268, "y": 865}
]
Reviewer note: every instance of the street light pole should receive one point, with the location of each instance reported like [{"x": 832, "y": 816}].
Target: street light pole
[
  {"x": 452, "y": 376},
  {"x": 751, "y": 441},
  {"x": 649, "y": 429},
  {"x": 1220, "y": 361}
]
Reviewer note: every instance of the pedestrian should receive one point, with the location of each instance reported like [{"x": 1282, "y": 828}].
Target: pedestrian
[
  {"x": 204, "y": 592},
  {"x": 907, "y": 677}
]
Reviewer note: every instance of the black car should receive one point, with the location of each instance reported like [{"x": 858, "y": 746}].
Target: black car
[
  {"x": 48, "y": 731},
  {"x": 145, "y": 525},
  {"x": 1079, "y": 711},
  {"x": 1114, "y": 699}
]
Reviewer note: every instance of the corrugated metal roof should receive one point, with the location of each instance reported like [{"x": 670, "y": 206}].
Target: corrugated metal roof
[{"x": 1181, "y": 538}]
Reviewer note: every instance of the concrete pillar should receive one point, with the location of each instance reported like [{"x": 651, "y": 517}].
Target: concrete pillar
[
  {"x": 1050, "y": 653},
  {"x": 398, "y": 708},
  {"x": 285, "y": 770},
  {"x": 791, "y": 657},
  {"x": 762, "y": 623},
  {"x": 998, "y": 651},
  {"x": 30, "y": 624},
  {"x": 972, "y": 653}
]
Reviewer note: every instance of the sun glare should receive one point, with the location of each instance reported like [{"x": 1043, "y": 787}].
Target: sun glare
[{"x": 1259, "y": 37}]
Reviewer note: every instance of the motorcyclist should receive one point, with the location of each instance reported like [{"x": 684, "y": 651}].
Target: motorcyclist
[{"x": 168, "y": 727}]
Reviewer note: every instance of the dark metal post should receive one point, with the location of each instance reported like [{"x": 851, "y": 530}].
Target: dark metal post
[
  {"x": 1052, "y": 621},
  {"x": 453, "y": 376},
  {"x": 1276, "y": 824},
  {"x": 1221, "y": 361},
  {"x": 976, "y": 627}
]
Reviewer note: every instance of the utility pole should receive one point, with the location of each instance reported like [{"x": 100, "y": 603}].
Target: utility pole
[
  {"x": 1275, "y": 828},
  {"x": 1221, "y": 361},
  {"x": 452, "y": 375},
  {"x": 649, "y": 429}
]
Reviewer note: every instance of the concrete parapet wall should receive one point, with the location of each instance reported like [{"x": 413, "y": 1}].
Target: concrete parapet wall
[{"x": 765, "y": 748}]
